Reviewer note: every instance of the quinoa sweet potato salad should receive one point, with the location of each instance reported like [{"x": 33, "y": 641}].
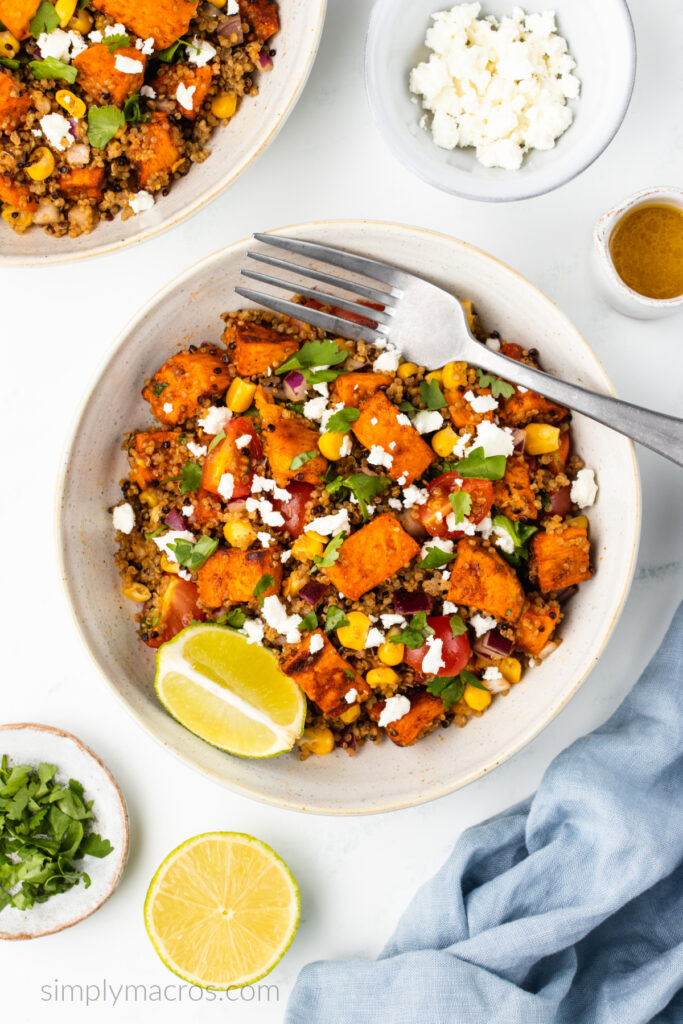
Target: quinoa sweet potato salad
[
  {"x": 404, "y": 541},
  {"x": 104, "y": 103}
]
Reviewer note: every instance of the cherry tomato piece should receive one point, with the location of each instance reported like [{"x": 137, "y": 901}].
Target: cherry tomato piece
[
  {"x": 435, "y": 511},
  {"x": 226, "y": 457},
  {"x": 294, "y": 511},
  {"x": 179, "y": 607},
  {"x": 455, "y": 653}
]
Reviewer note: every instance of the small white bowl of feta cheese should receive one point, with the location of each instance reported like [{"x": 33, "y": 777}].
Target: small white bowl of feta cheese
[{"x": 493, "y": 102}]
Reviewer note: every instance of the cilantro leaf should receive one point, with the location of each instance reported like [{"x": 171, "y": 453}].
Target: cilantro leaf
[
  {"x": 520, "y": 534},
  {"x": 498, "y": 386},
  {"x": 315, "y": 353},
  {"x": 133, "y": 112},
  {"x": 457, "y": 625},
  {"x": 263, "y": 584},
  {"x": 340, "y": 422},
  {"x": 155, "y": 533},
  {"x": 449, "y": 688},
  {"x": 335, "y": 618},
  {"x": 436, "y": 557},
  {"x": 169, "y": 53},
  {"x": 96, "y": 846},
  {"x": 415, "y": 634},
  {"x": 116, "y": 42},
  {"x": 363, "y": 486},
  {"x": 13, "y": 65},
  {"x": 158, "y": 388},
  {"x": 45, "y": 19},
  {"x": 193, "y": 555},
  {"x": 103, "y": 123},
  {"x": 461, "y": 503},
  {"x": 309, "y": 622},
  {"x": 53, "y": 68},
  {"x": 300, "y": 460},
  {"x": 432, "y": 395},
  {"x": 481, "y": 467},
  {"x": 220, "y": 436},
  {"x": 408, "y": 408},
  {"x": 235, "y": 618},
  {"x": 190, "y": 477},
  {"x": 331, "y": 552}
]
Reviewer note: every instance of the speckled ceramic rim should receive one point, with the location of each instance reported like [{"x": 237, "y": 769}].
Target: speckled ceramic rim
[
  {"x": 254, "y": 794},
  {"x": 422, "y": 172},
  {"x": 123, "y": 855},
  {"x": 201, "y": 201}
]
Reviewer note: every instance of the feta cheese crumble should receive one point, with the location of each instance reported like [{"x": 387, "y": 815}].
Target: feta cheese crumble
[
  {"x": 494, "y": 440},
  {"x": 196, "y": 449},
  {"x": 316, "y": 644},
  {"x": 395, "y": 708},
  {"x": 56, "y": 130},
  {"x": 275, "y": 614},
  {"x": 184, "y": 95},
  {"x": 128, "y": 65},
  {"x": 432, "y": 661},
  {"x": 253, "y": 630},
  {"x": 330, "y": 526},
  {"x": 379, "y": 457},
  {"x": 482, "y": 623},
  {"x": 200, "y": 52},
  {"x": 167, "y": 407},
  {"x": 123, "y": 518},
  {"x": 187, "y": 510},
  {"x": 584, "y": 488},
  {"x": 387, "y": 361},
  {"x": 265, "y": 539},
  {"x": 55, "y": 44},
  {"x": 374, "y": 638},
  {"x": 169, "y": 538},
  {"x": 414, "y": 495},
  {"x": 481, "y": 403},
  {"x": 314, "y": 408},
  {"x": 499, "y": 86},
  {"x": 243, "y": 441},
  {"x": 141, "y": 201},
  {"x": 503, "y": 540},
  {"x": 226, "y": 486},
  {"x": 427, "y": 421},
  {"x": 214, "y": 420},
  {"x": 350, "y": 695}
]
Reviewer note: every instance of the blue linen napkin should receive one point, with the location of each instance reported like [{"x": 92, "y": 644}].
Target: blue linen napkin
[{"x": 565, "y": 909}]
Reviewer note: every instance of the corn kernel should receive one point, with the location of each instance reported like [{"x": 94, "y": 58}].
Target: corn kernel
[
  {"x": 391, "y": 654},
  {"x": 9, "y": 46},
  {"x": 406, "y": 370},
  {"x": 444, "y": 441},
  {"x": 454, "y": 374},
  {"x": 73, "y": 104},
  {"x": 150, "y": 498},
  {"x": 240, "y": 394},
  {"x": 20, "y": 220},
  {"x": 295, "y": 581},
  {"x": 330, "y": 445},
  {"x": 355, "y": 634},
  {"x": 475, "y": 698},
  {"x": 541, "y": 439},
  {"x": 307, "y": 546},
  {"x": 82, "y": 22},
  {"x": 381, "y": 677},
  {"x": 168, "y": 566},
  {"x": 317, "y": 740},
  {"x": 468, "y": 306},
  {"x": 177, "y": 165},
  {"x": 436, "y": 375},
  {"x": 137, "y": 592},
  {"x": 42, "y": 164},
  {"x": 511, "y": 670},
  {"x": 351, "y": 714},
  {"x": 224, "y": 105},
  {"x": 579, "y": 521},
  {"x": 64, "y": 9},
  {"x": 239, "y": 533}
]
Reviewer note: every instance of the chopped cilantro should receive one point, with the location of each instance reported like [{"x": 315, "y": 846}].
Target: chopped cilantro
[
  {"x": 461, "y": 503},
  {"x": 158, "y": 388},
  {"x": 45, "y": 19},
  {"x": 363, "y": 486},
  {"x": 330, "y": 554},
  {"x": 53, "y": 68},
  {"x": 263, "y": 584},
  {"x": 449, "y": 688},
  {"x": 133, "y": 112},
  {"x": 300, "y": 460},
  {"x": 309, "y": 622},
  {"x": 498, "y": 386},
  {"x": 480, "y": 466},
  {"x": 7, "y": 62},
  {"x": 520, "y": 533},
  {"x": 408, "y": 408},
  {"x": 235, "y": 618},
  {"x": 190, "y": 478},
  {"x": 220, "y": 436},
  {"x": 155, "y": 533},
  {"x": 458, "y": 627},
  {"x": 415, "y": 633},
  {"x": 435, "y": 558},
  {"x": 432, "y": 395},
  {"x": 322, "y": 354},
  {"x": 340, "y": 422},
  {"x": 297, "y": 407},
  {"x": 103, "y": 123},
  {"x": 350, "y": 673},
  {"x": 192, "y": 555},
  {"x": 335, "y": 618},
  {"x": 116, "y": 42}
]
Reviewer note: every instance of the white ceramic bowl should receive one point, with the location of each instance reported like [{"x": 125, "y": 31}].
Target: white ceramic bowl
[
  {"x": 233, "y": 148},
  {"x": 381, "y": 777},
  {"x": 601, "y": 40}
]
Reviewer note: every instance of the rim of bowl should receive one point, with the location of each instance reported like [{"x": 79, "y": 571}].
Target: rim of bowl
[
  {"x": 422, "y": 171},
  {"x": 602, "y": 235},
  {"x": 239, "y": 788},
  {"x": 200, "y": 201}
]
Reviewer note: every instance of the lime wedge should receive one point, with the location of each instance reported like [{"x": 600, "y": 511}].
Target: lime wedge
[
  {"x": 222, "y": 910},
  {"x": 230, "y": 693}
]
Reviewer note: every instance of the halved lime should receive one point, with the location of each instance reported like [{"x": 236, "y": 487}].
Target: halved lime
[
  {"x": 222, "y": 910},
  {"x": 229, "y": 692}
]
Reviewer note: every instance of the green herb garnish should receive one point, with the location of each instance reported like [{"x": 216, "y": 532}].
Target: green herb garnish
[
  {"x": 155, "y": 533},
  {"x": 408, "y": 408},
  {"x": 103, "y": 123},
  {"x": 481, "y": 467},
  {"x": 335, "y": 618},
  {"x": 435, "y": 558},
  {"x": 190, "y": 478},
  {"x": 363, "y": 486},
  {"x": 44, "y": 829},
  {"x": 263, "y": 584},
  {"x": 235, "y": 618},
  {"x": 498, "y": 386},
  {"x": 340, "y": 422},
  {"x": 415, "y": 634},
  {"x": 520, "y": 534},
  {"x": 457, "y": 625},
  {"x": 300, "y": 460},
  {"x": 296, "y": 407},
  {"x": 432, "y": 395},
  {"x": 220, "y": 436},
  {"x": 133, "y": 112},
  {"x": 7, "y": 62},
  {"x": 315, "y": 354},
  {"x": 193, "y": 555},
  {"x": 53, "y": 68},
  {"x": 309, "y": 622},
  {"x": 330, "y": 554},
  {"x": 451, "y": 688},
  {"x": 116, "y": 42},
  {"x": 45, "y": 19},
  {"x": 158, "y": 388},
  {"x": 461, "y": 503}
]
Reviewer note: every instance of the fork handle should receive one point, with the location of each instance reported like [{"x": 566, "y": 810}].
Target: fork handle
[{"x": 662, "y": 434}]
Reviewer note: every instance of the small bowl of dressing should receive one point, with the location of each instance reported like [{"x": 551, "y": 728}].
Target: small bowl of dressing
[{"x": 638, "y": 253}]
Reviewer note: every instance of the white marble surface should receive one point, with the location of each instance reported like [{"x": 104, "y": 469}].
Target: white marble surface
[{"x": 355, "y": 876}]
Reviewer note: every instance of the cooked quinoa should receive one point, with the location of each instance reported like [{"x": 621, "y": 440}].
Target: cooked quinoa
[
  {"x": 404, "y": 541},
  {"x": 104, "y": 105}
]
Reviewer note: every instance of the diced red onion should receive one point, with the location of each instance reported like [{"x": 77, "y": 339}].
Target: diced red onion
[
  {"x": 73, "y": 127},
  {"x": 493, "y": 645},
  {"x": 237, "y": 505},
  {"x": 265, "y": 60},
  {"x": 294, "y": 386},
  {"x": 410, "y": 603},
  {"x": 174, "y": 520},
  {"x": 412, "y": 525},
  {"x": 547, "y": 650},
  {"x": 564, "y": 595},
  {"x": 561, "y": 502},
  {"x": 232, "y": 26},
  {"x": 312, "y": 593},
  {"x": 518, "y": 440}
]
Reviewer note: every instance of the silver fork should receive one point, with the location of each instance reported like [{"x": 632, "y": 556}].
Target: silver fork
[{"x": 429, "y": 327}]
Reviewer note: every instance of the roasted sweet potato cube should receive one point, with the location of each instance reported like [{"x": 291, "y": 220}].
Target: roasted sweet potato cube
[
  {"x": 513, "y": 494},
  {"x": 285, "y": 437},
  {"x": 197, "y": 79},
  {"x": 560, "y": 559},
  {"x": 148, "y": 457},
  {"x": 83, "y": 183},
  {"x": 16, "y": 194},
  {"x": 379, "y": 424},
  {"x": 262, "y": 15},
  {"x": 461, "y": 412},
  {"x": 154, "y": 149},
  {"x": 256, "y": 348},
  {"x": 525, "y": 406},
  {"x": 230, "y": 576},
  {"x": 16, "y": 15},
  {"x": 424, "y": 709},
  {"x": 536, "y": 625},
  {"x": 371, "y": 555},
  {"x": 175, "y": 389},
  {"x": 14, "y": 103},
  {"x": 481, "y": 579},
  {"x": 99, "y": 77},
  {"x": 162, "y": 20},
  {"x": 324, "y": 676},
  {"x": 354, "y": 388}
]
